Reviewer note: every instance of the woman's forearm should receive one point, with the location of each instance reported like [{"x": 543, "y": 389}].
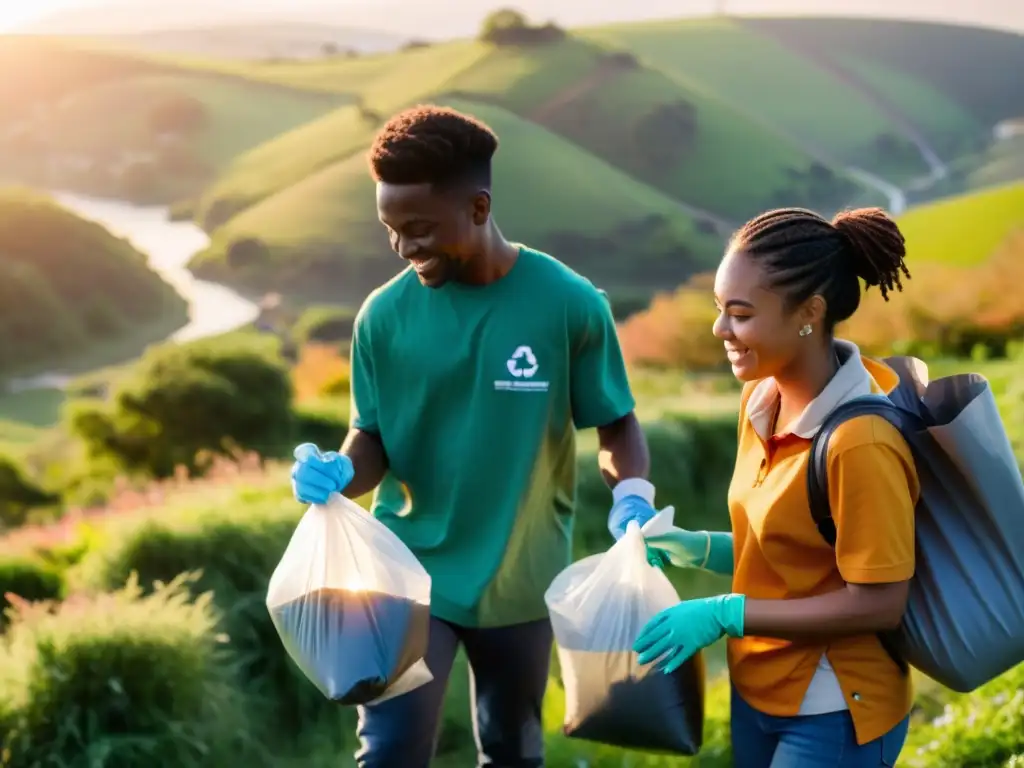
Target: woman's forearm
[{"x": 856, "y": 609}]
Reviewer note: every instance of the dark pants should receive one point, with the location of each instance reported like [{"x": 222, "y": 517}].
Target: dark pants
[
  {"x": 810, "y": 741},
  {"x": 508, "y": 674}
]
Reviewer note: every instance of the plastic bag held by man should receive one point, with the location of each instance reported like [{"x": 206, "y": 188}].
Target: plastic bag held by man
[
  {"x": 598, "y": 607},
  {"x": 352, "y": 605}
]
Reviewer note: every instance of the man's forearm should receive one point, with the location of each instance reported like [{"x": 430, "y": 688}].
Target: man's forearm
[
  {"x": 370, "y": 461},
  {"x": 623, "y": 451}
]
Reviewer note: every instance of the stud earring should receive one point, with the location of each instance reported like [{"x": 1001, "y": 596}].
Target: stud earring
[{"x": 806, "y": 330}]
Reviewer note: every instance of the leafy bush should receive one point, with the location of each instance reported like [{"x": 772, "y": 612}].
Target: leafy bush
[
  {"x": 18, "y": 494},
  {"x": 316, "y": 424},
  {"x": 985, "y": 728},
  {"x": 976, "y": 315},
  {"x": 320, "y": 369},
  {"x": 29, "y": 579},
  {"x": 507, "y": 26},
  {"x": 691, "y": 465},
  {"x": 324, "y": 323},
  {"x": 976, "y": 310},
  {"x": 217, "y": 395},
  {"x": 235, "y": 546},
  {"x": 675, "y": 330},
  {"x": 121, "y": 680}
]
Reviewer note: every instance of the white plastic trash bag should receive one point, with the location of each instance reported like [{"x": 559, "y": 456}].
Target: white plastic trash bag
[
  {"x": 352, "y": 605},
  {"x": 598, "y": 607}
]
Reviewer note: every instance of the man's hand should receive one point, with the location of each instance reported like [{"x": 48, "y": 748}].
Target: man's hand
[
  {"x": 633, "y": 502},
  {"x": 316, "y": 475}
]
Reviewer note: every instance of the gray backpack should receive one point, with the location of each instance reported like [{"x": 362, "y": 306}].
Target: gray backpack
[{"x": 964, "y": 623}]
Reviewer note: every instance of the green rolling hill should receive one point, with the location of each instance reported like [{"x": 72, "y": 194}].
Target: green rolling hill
[
  {"x": 70, "y": 290},
  {"x": 589, "y": 212},
  {"x": 967, "y": 229},
  {"x": 691, "y": 126}
]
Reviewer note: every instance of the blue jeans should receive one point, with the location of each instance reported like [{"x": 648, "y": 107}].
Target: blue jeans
[
  {"x": 811, "y": 741},
  {"x": 508, "y": 675}
]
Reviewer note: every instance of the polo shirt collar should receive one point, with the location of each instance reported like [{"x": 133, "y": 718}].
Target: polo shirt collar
[{"x": 852, "y": 380}]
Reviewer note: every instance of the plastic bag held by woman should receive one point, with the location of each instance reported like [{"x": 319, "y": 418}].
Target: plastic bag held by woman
[
  {"x": 352, "y": 605},
  {"x": 598, "y": 607}
]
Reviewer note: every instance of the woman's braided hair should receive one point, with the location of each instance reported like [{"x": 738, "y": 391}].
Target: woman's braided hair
[{"x": 805, "y": 254}]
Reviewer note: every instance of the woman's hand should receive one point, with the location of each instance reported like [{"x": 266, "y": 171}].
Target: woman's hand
[{"x": 677, "y": 633}]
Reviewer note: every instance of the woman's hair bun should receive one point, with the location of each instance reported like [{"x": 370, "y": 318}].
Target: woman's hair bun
[{"x": 876, "y": 246}]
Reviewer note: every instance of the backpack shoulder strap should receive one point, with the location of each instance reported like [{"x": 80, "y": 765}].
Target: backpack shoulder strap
[
  {"x": 817, "y": 468},
  {"x": 817, "y": 483}
]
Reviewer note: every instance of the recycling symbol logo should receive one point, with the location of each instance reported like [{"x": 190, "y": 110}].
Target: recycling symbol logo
[{"x": 523, "y": 363}]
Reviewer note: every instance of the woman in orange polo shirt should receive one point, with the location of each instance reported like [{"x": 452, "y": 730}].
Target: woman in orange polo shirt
[{"x": 812, "y": 684}]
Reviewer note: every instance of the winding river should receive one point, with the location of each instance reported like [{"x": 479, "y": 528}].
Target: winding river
[{"x": 213, "y": 308}]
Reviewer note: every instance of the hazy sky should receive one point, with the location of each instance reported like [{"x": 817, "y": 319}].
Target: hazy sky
[{"x": 434, "y": 18}]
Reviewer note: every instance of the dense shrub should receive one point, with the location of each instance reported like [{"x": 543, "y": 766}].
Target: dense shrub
[
  {"x": 320, "y": 369},
  {"x": 29, "y": 579},
  {"x": 691, "y": 464},
  {"x": 215, "y": 395},
  {"x": 985, "y": 728},
  {"x": 944, "y": 310},
  {"x": 675, "y": 330},
  {"x": 948, "y": 310},
  {"x": 18, "y": 494},
  {"x": 321, "y": 425},
  {"x": 235, "y": 547},
  {"x": 121, "y": 681},
  {"x": 325, "y": 323},
  {"x": 507, "y": 26}
]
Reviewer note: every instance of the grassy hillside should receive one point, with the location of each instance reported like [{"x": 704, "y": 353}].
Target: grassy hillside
[
  {"x": 964, "y": 230},
  {"x": 976, "y": 68},
  {"x": 654, "y": 127},
  {"x": 773, "y": 84},
  {"x": 176, "y": 130},
  {"x": 1000, "y": 163},
  {"x": 659, "y": 131},
  {"x": 284, "y": 161},
  {"x": 323, "y": 231},
  {"x": 68, "y": 287}
]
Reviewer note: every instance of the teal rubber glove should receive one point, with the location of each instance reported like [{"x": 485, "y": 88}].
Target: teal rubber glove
[
  {"x": 677, "y": 633},
  {"x": 711, "y": 551}
]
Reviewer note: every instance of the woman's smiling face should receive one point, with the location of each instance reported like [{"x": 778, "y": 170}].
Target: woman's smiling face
[{"x": 760, "y": 333}]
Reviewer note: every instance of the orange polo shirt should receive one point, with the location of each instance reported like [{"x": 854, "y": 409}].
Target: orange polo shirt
[{"x": 780, "y": 555}]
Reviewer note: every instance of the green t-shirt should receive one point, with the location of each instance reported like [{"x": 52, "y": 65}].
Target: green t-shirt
[{"x": 476, "y": 393}]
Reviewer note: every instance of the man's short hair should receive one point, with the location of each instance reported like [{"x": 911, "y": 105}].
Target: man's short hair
[{"x": 433, "y": 145}]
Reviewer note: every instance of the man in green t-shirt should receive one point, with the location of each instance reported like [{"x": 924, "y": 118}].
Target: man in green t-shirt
[{"x": 472, "y": 369}]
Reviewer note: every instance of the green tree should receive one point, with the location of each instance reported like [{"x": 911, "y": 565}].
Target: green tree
[
  {"x": 214, "y": 395},
  {"x": 502, "y": 21}
]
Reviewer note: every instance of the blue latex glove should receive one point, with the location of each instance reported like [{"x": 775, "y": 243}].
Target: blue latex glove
[
  {"x": 633, "y": 502},
  {"x": 316, "y": 475},
  {"x": 677, "y": 633}
]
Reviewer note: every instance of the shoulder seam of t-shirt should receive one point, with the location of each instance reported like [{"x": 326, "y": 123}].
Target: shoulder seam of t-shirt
[{"x": 846, "y": 443}]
